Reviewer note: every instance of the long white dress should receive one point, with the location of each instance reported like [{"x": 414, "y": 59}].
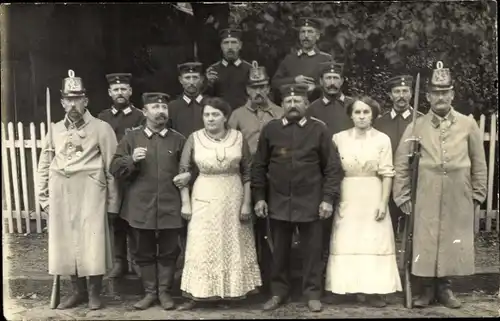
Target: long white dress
[{"x": 362, "y": 250}]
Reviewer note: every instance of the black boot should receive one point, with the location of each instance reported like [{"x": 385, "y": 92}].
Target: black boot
[
  {"x": 95, "y": 288},
  {"x": 165, "y": 280},
  {"x": 119, "y": 269},
  {"x": 426, "y": 296},
  {"x": 79, "y": 295},
  {"x": 445, "y": 295},
  {"x": 149, "y": 281}
]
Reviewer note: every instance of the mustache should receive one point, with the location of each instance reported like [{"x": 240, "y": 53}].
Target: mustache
[
  {"x": 160, "y": 117},
  {"x": 332, "y": 87}
]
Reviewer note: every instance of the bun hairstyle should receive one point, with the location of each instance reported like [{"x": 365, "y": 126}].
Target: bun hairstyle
[{"x": 374, "y": 106}]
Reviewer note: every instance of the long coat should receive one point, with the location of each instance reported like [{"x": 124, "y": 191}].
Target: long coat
[
  {"x": 80, "y": 191},
  {"x": 452, "y": 173}
]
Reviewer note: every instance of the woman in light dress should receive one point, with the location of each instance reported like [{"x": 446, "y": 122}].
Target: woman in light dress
[
  {"x": 220, "y": 261},
  {"x": 362, "y": 249}
]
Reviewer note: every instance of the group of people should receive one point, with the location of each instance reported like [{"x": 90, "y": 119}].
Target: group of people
[{"x": 230, "y": 179}]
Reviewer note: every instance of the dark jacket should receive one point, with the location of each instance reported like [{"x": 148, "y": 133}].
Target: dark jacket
[
  {"x": 185, "y": 114},
  {"x": 122, "y": 120},
  {"x": 332, "y": 112}
]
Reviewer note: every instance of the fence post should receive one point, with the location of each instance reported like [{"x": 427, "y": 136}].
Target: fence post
[
  {"x": 15, "y": 176},
  {"x": 34, "y": 163},
  {"x": 6, "y": 180},
  {"x": 22, "y": 156}
]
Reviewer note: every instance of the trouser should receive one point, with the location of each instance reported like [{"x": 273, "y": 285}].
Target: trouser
[
  {"x": 311, "y": 244},
  {"x": 397, "y": 217},
  {"x": 264, "y": 255},
  {"x": 327, "y": 234},
  {"x": 151, "y": 248},
  {"x": 121, "y": 229}
]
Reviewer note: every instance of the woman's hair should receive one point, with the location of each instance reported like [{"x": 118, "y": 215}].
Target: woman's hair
[
  {"x": 374, "y": 106},
  {"x": 218, "y": 103}
]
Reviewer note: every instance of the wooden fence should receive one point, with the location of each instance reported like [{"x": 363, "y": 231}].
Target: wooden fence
[{"x": 20, "y": 161}]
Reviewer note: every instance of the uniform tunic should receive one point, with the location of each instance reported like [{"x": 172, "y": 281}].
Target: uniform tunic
[
  {"x": 185, "y": 114},
  {"x": 452, "y": 173},
  {"x": 80, "y": 191},
  {"x": 231, "y": 83},
  {"x": 122, "y": 120},
  {"x": 299, "y": 166},
  {"x": 250, "y": 121},
  {"x": 332, "y": 112},
  {"x": 151, "y": 200}
]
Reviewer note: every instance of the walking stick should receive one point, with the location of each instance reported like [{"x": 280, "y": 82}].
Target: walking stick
[{"x": 56, "y": 282}]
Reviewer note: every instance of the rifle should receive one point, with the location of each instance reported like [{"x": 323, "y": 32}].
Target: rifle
[
  {"x": 414, "y": 160},
  {"x": 55, "y": 295}
]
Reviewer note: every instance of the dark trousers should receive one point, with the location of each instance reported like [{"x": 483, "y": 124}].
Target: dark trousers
[
  {"x": 397, "y": 217},
  {"x": 151, "y": 249},
  {"x": 311, "y": 245},
  {"x": 327, "y": 234},
  {"x": 121, "y": 229},
  {"x": 264, "y": 255}
]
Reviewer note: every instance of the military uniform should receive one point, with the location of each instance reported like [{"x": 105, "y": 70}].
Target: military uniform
[
  {"x": 393, "y": 124},
  {"x": 152, "y": 202},
  {"x": 122, "y": 120},
  {"x": 296, "y": 168},
  {"x": 232, "y": 76}
]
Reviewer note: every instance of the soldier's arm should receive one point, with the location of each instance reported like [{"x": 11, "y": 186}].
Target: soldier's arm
[
  {"x": 185, "y": 166},
  {"x": 107, "y": 145},
  {"x": 478, "y": 163},
  {"x": 401, "y": 186},
  {"x": 123, "y": 166},
  {"x": 282, "y": 76},
  {"x": 233, "y": 121},
  {"x": 46, "y": 157},
  {"x": 245, "y": 170},
  {"x": 260, "y": 166},
  {"x": 333, "y": 173}
]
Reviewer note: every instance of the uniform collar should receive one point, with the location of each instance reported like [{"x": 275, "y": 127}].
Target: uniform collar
[
  {"x": 302, "y": 122},
  {"x": 125, "y": 111},
  {"x": 405, "y": 114},
  {"x": 437, "y": 120},
  {"x": 326, "y": 101},
  {"x": 310, "y": 53},
  {"x": 198, "y": 99},
  {"x": 149, "y": 133},
  {"x": 68, "y": 122},
  {"x": 237, "y": 62}
]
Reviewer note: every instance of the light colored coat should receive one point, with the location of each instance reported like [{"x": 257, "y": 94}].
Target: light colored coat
[
  {"x": 452, "y": 173},
  {"x": 80, "y": 191}
]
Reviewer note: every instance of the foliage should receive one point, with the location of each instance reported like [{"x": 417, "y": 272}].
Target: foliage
[{"x": 379, "y": 39}]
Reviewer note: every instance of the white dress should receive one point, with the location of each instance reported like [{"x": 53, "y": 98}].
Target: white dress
[{"x": 362, "y": 250}]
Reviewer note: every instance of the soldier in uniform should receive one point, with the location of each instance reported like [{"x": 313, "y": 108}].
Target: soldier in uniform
[
  {"x": 296, "y": 178},
  {"x": 79, "y": 193},
  {"x": 122, "y": 116},
  {"x": 228, "y": 77},
  {"x": 148, "y": 158},
  {"x": 393, "y": 123},
  {"x": 451, "y": 186},
  {"x": 250, "y": 119},
  {"x": 302, "y": 66}
]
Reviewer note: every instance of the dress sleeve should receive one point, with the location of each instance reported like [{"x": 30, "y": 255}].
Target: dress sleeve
[
  {"x": 246, "y": 161},
  {"x": 385, "y": 166},
  {"x": 186, "y": 163}
]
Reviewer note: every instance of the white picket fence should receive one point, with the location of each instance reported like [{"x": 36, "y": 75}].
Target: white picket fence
[{"x": 17, "y": 183}]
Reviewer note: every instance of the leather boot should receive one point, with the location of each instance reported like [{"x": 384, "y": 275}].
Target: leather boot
[
  {"x": 426, "y": 296},
  {"x": 444, "y": 294},
  {"x": 150, "y": 283},
  {"x": 95, "y": 288},
  {"x": 79, "y": 295},
  {"x": 165, "y": 280},
  {"x": 119, "y": 269},
  {"x": 273, "y": 303}
]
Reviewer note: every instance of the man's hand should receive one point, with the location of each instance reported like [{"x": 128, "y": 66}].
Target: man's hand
[
  {"x": 211, "y": 75},
  {"x": 381, "y": 212},
  {"x": 325, "y": 210},
  {"x": 246, "y": 212},
  {"x": 186, "y": 212},
  {"x": 261, "y": 209},
  {"x": 139, "y": 154},
  {"x": 301, "y": 79},
  {"x": 182, "y": 180},
  {"x": 406, "y": 208}
]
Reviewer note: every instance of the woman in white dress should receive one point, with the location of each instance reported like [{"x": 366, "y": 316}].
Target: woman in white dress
[
  {"x": 220, "y": 261},
  {"x": 362, "y": 249}
]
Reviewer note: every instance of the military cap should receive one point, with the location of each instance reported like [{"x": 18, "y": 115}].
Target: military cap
[
  {"x": 441, "y": 78},
  {"x": 155, "y": 98},
  {"x": 294, "y": 90},
  {"x": 331, "y": 67},
  {"x": 310, "y": 22},
  {"x": 119, "y": 78},
  {"x": 190, "y": 67},
  {"x": 258, "y": 75},
  {"x": 230, "y": 33},
  {"x": 72, "y": 86},
  {"x": 402, "y": 80}
]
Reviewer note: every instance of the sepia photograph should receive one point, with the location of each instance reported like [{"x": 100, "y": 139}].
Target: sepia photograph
[{"x": 250, "y": 160}]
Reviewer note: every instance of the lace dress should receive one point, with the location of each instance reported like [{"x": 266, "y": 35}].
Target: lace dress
[
  {"x": 362, "y": 250},
  {"x": 220, "y": 260}
]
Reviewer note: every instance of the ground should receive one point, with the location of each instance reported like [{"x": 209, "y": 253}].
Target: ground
[{"x": 28, "y": 286}]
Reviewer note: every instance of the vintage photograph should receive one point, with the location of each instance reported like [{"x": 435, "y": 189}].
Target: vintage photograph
[{"x": 250, "y": 160}]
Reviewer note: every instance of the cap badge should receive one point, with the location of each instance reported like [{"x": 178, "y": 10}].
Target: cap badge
[{"x": 441, "y": 76}]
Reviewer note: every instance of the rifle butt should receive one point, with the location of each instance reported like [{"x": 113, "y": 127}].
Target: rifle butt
[{"x": 55, "y": 295}]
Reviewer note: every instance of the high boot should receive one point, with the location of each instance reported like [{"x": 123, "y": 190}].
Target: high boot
[
  {"x": 150, "y": 283},
  {"x": 445, "y": 295},
  {"x": 426, "y": 296},
  {"x": 79, "y": 295},
  {"x": 165, "y": 280},
  {"x": 95, "y": 288},
  {"x": 119, "y": 269}
]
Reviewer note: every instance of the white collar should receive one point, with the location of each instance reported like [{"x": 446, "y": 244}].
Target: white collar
[
  {"x": 237, "y": 62},
  {"x": 125, "y": 111},
  {"x": 198, "y": 99},
  {"x": 150, "y": 133},
  {"x": 310, "y": 53},
  {"x": 301, "y": 123},
  {"x": 405, "y": 114},
  {"x": 326, "y": 101}
]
